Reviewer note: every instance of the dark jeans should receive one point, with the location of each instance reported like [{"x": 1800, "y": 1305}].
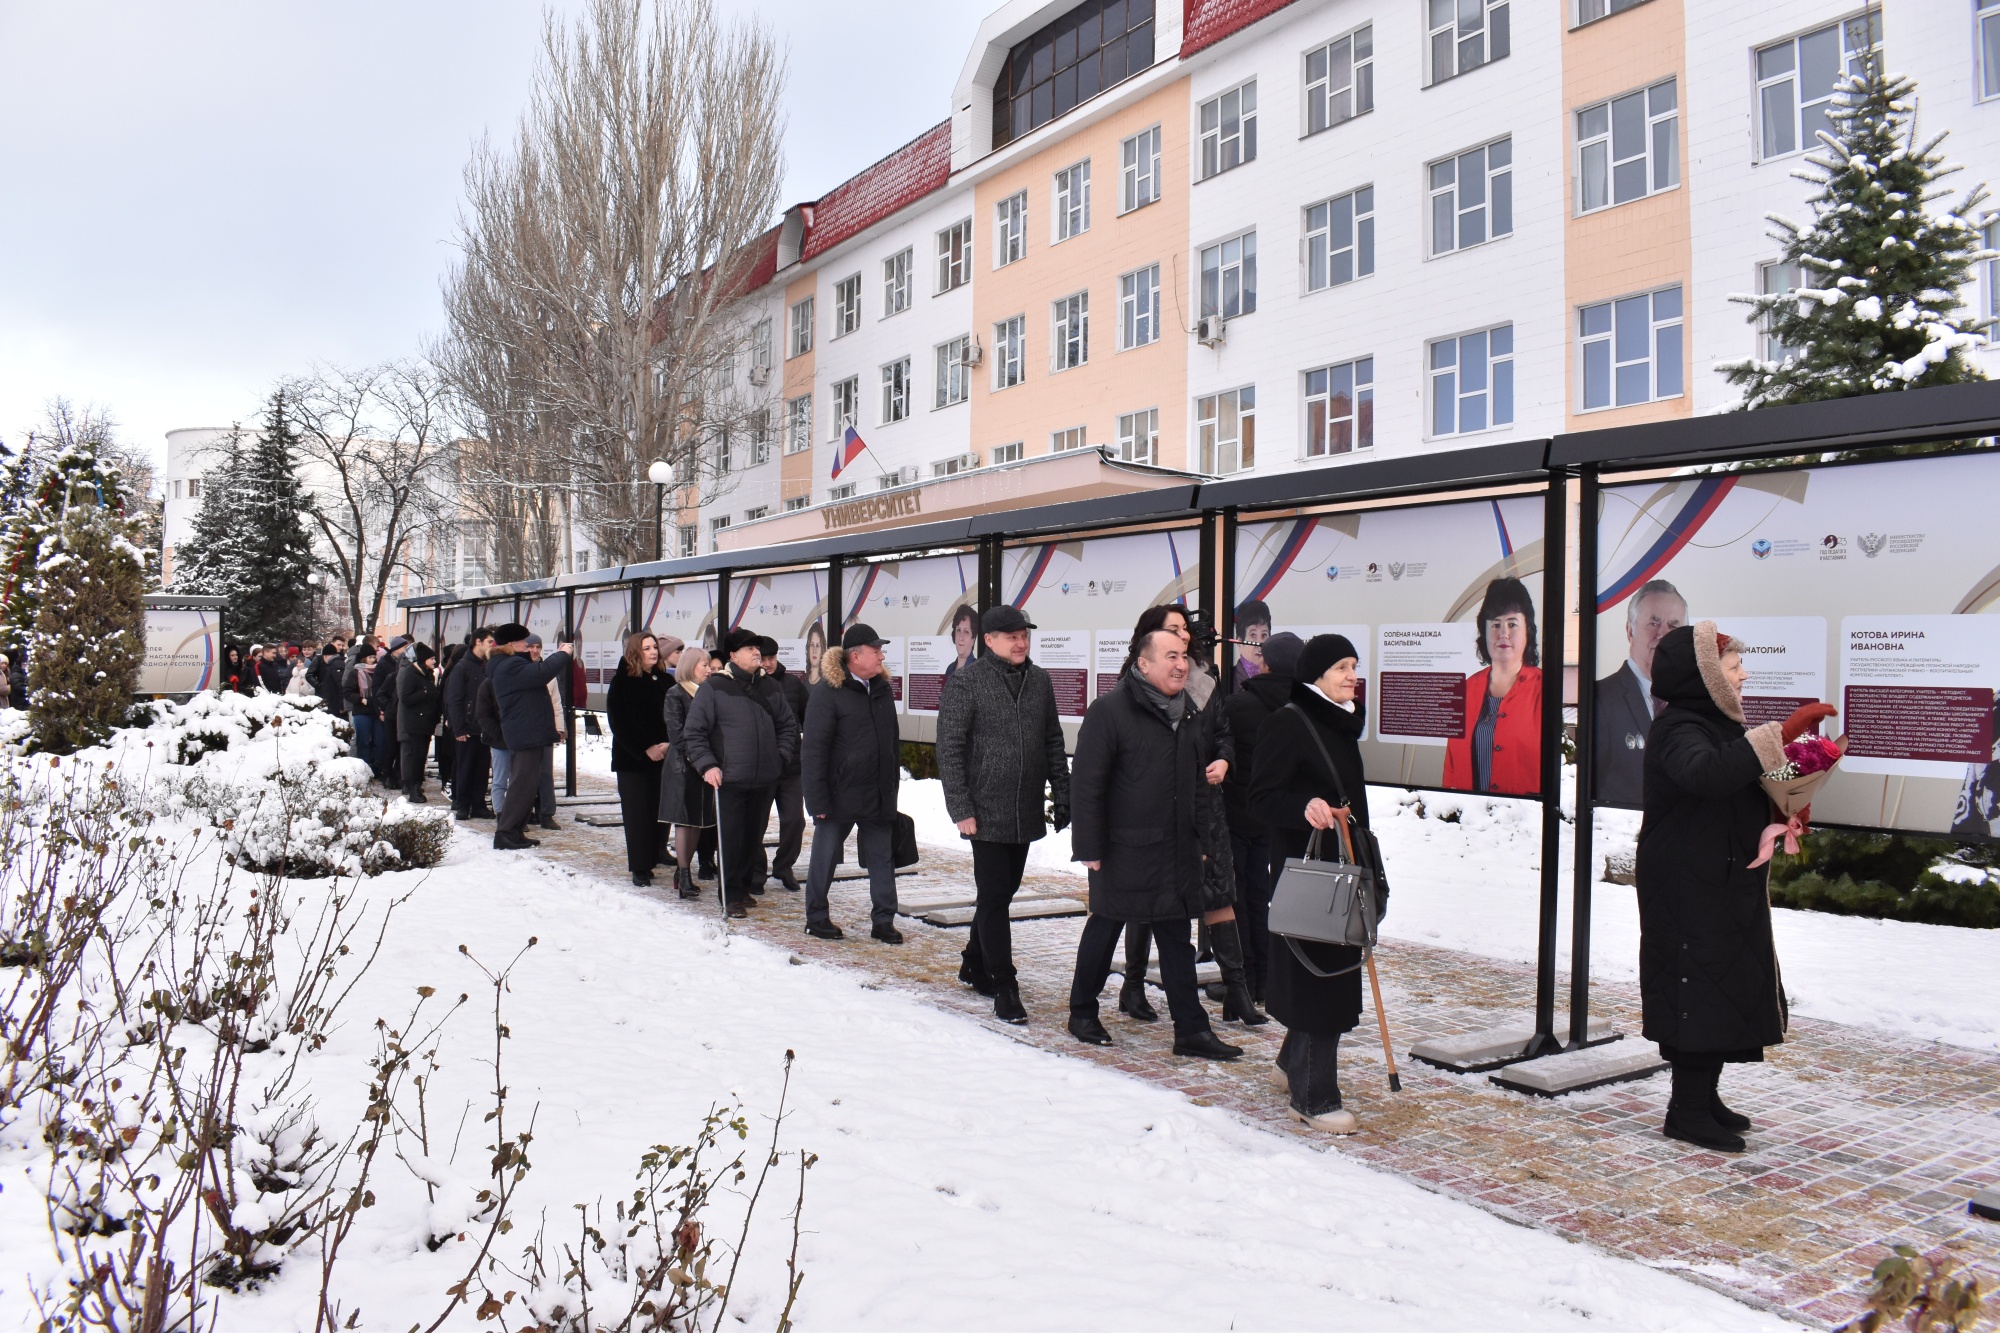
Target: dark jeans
[
  {"x": 1254, "y": 878},
  {"x": 875, "y": 841},
  {"x": 1312, "y": 1062},
  {"x": 525, "y": 768},
  {"x": 367, "y": 741},
  {"x": 996, "y": 877},
  {"x": 639, "y": 803},
  {"x": 740, "y": 814},
  {"x": 468, "y": 788},
  {"x": 791, "y": 826},
  {"x": 545, "y": 787},
  {"x": 1093, "y": 965}
]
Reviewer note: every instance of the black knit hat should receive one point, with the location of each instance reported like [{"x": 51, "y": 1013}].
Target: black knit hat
[
  {"x": 737, "y": 640},
  {"x": 1281, "y": 653},
  {"x": 511, "y": 632},
  {"x": 1322, "y": 651},
  {"x": 423, "y": 652}
]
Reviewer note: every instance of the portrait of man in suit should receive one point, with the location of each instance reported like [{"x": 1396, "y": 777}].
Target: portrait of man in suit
[{"x": 1625, "y": 707}]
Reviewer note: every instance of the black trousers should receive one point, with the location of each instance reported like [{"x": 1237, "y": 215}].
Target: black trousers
[
  {"x": 447, "y": 759},
  {"x": 639, "y": 803},
  {"x": 470, "y": 759},
  {"x": 791, "y": 825},
  {"x": 875, "y": 843},
  {"x": 1094, "y": 953},
  {"x": 996, "y": 878},
  {"x": 1311, "y": 1060},
  {"x": 1254, "y": 878},
  {"x": 740, "y": 814},
  {"x": 414, "y": 751},
  {"x": 524, "y": 785}
]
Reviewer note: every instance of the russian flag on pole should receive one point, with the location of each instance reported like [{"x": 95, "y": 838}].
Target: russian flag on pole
[{"x": 850, "y": 449}]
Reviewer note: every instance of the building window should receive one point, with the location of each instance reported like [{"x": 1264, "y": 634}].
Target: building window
[
  {"x": 690, "y": 539},
  {"x": 755, "y": 512},
  {"x": 1466, "y": 34},
  {"x": 1066, "y": 441},
  {"x": 1628, "y": 148},
  {"x": 896, "y": 282},
  {"x": 1008, "y": 453},
  {"x": 1007, "y": 352},
  {"x": 1589, "y": 11},
  {"x": 896, "y": 390},
  {"x": 795, "y": 503},
  {"x": 724, "y": 453},
  {"x": 1340, "y": 80},
  {"x": 1073, "y": 201},
  {"x": 889, "y": 481},
  {"x": 715, "y": 529},
  {"x": 846, "y": 407},
  {"x": 1472, "y": 197},
  {"x": 1070, "y": 343},
  {"x": 1010, "y": 229},
  {"x": 1139, "y": 307},
  {"x": 760, "y": 437},
  {"x": 798, "y": 424},
  {"x": 1631, "y": 349},
  {"x": 1227, "y": 423},
  {"x": 954, "y": 255},
  {"x": 1139, "y": 169},
  {"x": 1989, "y": 48},
  {"x": 844, "y": 491},
  {"x": 846, "y": 306},
  {"x": 802, "y": 328},
  {"x": 1796, "y": 77},
  {"x": 1229, "y": 277},
  {"x": 1095, "y": 46},
  {"x": 1229, "y": 130},
  {"x": 1989, "y": 237},
  {"x": 760, "y": 345},
  {"x": 1472, "y": 381},
  {"x": 1139, "y": 436},
  {"x": 1778, "y": 277},
  {"x": 1340, "y": 239},
  {"x": 1340, "y": 408},
  {"x": 954, "y": 378},
  {"x": 951, "y": 467}
]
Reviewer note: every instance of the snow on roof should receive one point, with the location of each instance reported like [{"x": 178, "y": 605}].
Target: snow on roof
[
  {"x": 918, "y": 168},
  {"x": 1209, "y": 21}
]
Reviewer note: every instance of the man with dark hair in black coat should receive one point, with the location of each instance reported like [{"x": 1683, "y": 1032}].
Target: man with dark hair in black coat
[
  {"x": 739, "y": 739},
  {"x": 527, "y": 724},
  {"x": 1255, "y": 698},
  {"x": 419, "y": 702},
  {"x": 324, "y": 675},
  {"x": 388, "y": 670},
  {"x": 470, "y": 755},
  {"x": 789, "y": 794},
  {"x": 851, "y": 768},
  {"x": 1138, "y": 796}
]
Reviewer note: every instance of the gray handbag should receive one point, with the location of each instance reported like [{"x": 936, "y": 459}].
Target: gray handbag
[{"x": 1325, "y": 902}]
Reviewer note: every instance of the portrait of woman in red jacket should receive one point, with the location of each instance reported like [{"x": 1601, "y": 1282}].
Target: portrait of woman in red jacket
[{"x": 1501, "y": 750}]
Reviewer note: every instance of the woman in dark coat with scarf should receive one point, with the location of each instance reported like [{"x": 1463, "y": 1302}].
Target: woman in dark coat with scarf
[
  {"x": 685, "y": 801},
  {"x": 1708, "y": 967},
  {"x": 1297, "y": 793},
  {"x": 634, "y": 707}
]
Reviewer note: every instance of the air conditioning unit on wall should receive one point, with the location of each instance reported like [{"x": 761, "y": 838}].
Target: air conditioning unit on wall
[
  {"x": 1210, "y": 330},
  {"x": 974, "y": 353},
  {"x": 760, "y": 375}
]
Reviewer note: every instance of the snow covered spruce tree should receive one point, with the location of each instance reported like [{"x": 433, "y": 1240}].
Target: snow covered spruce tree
[
  {"x": 1879, "y": 272},
  {"x": 74, "y": 574},
  {"x": 250, "y": 542}
]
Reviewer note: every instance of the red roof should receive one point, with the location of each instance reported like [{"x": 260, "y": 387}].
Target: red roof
[
  {"x": 916, "y": 169},
  {"x": 1206, "y": 22}
]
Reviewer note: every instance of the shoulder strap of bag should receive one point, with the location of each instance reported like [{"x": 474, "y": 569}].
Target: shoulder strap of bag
[
  {"x": 1339, "y": 787},
  {"x": 1313, "y": 968}
]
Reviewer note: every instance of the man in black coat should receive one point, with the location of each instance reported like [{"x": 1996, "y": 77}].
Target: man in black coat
[
  {"x": 1000, "y": 748},
  {"x": 527, "y": 724},
  {"x": 739, "y": 739},
  {"x": 388, "y": 671},
  {"x": 1137, "y": 792},
  {"x": 790, "y": 796},
  {"x": 1623, "y": 706},
  {"x": 419, "y": 701},
  {"x": 324, "y": 674},
  {"x": 1255, "y": 699},
  {"x": 851, "y": 766},
  {"x": 469, "y": 753}
]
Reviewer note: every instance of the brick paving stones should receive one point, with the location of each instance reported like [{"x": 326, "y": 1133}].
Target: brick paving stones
[{"x": 1863, "y": 1138}]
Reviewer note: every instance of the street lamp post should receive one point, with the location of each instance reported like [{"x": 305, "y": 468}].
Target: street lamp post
[{"x": 661, "y": 474}]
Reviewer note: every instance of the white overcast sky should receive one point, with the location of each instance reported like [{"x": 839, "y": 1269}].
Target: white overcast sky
[{"x": 198, "y": 197}]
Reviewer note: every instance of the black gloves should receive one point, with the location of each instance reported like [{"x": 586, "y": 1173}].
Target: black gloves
[{"x": 1059, "y": 816}]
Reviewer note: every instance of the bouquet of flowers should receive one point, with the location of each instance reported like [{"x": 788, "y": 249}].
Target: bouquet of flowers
[{"x": 1809, "y": 762}]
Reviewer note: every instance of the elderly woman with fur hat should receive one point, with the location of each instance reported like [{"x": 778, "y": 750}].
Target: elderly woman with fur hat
[{"x": 1708, "y": 968}]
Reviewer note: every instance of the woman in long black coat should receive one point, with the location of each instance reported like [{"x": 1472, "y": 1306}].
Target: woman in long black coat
[
  {"x": 634, "y": 704},
  {"x": 685, "y": 800},
  {"x": 1708, "y": 968},
  {"x": 1297, "y": 793}
]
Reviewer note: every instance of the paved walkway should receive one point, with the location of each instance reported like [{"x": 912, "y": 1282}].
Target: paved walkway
[{"x": 1863, "y": 1138}]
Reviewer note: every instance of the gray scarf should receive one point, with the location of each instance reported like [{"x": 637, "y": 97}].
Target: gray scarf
[{"x": 1173, "y": 707}]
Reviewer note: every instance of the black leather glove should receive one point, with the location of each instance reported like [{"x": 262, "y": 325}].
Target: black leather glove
[{"x": 1059, "y": 816}]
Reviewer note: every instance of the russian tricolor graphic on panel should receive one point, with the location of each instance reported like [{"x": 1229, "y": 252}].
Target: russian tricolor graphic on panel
[{"x": 1696, "y": 509}]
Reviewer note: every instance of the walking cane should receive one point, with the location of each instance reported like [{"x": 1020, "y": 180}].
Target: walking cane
[
  {"x": 721, "y": 858},
  {"x": 1368, "y": 957}
]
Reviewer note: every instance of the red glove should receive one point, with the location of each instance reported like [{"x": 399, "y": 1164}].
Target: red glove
[{"x": 1807, "y": 719}]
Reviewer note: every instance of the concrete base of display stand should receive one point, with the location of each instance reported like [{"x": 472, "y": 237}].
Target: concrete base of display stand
[
  {"x": 1021, "y": 909},
  {"x": 1985, "y": 1204},
  {"x": 1585, "y": 1067},
  {"x": 1205, "y": 974},
  {"x": 1492, "y": 1048}
]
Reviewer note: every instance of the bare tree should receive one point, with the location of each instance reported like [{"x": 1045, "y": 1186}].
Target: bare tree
[
  {"x": 378, "y": 449},
  {"x": 597, "y": 319}
]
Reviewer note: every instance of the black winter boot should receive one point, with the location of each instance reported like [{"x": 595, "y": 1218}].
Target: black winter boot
[
  {"x": 973, "y": 973},
  {"x": 1132, "y": 1000},
  {"x": 1690, "y": 1118},
  {"x": 1237, "y": 1005},
  {"x": 1007, "y": 1003},
  {"x": 1734, "y": 1121}
]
